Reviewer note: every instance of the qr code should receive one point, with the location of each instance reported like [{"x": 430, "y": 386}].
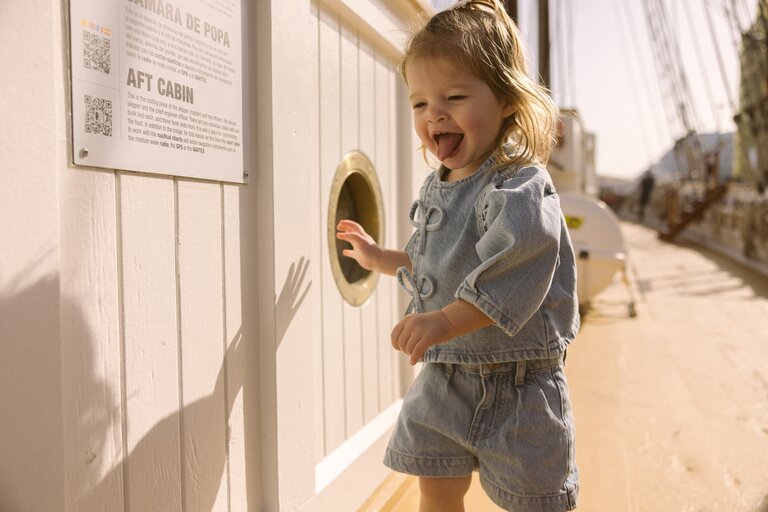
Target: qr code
[
  {"x": 98, "y": 116},
  {"x": 96, "y": 52}
]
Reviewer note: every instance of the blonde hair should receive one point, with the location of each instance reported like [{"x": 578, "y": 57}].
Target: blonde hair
[{"x": 479, "y": 36}]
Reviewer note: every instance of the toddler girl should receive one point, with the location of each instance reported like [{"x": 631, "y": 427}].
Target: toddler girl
[{"x": 491, "y": 273}]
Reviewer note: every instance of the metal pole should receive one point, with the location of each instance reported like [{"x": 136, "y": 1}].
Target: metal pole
[
  {"x": 511, "y": 7},
  {"x": 544, "y": 42}
]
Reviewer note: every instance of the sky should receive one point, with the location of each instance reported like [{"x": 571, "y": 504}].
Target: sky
[{"x": 602, "y": 65}]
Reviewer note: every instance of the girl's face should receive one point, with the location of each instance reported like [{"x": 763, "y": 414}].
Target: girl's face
[{"x": 456, "y": 115}]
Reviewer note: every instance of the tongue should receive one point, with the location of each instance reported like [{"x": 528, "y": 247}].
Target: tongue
[{"x": 447, "y": 144}]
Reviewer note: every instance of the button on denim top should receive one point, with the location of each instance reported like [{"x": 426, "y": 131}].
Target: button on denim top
[{"x": 498, "y": 240}]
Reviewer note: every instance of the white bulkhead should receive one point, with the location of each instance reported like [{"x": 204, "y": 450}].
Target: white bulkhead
[{"x": 176, "y": 344}]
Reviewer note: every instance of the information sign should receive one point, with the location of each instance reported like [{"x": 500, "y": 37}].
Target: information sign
[{"x": 157, "y": 86}]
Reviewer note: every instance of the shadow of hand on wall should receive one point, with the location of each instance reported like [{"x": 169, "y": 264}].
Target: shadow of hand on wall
[
  {"x": 286, "y": 304},
  {"x": 73, "y": 380},
  {"x": 183, "y": 457}
]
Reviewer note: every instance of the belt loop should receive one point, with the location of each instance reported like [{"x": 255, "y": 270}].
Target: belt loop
[
  {"x": 520, "y": 373},
  {"x": 449, "y": 368}
]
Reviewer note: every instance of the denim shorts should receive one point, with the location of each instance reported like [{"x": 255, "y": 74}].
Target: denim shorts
[{"x": 510, "y": 421}]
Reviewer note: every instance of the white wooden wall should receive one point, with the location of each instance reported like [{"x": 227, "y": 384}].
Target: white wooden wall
[
  {"x": 349, "y": 388},
  {"x": 151, "y": 387},
  {"x": 158, "y": 349},
  {"x": 356, "y": 100},
  {"x": 123, "y": 382}
]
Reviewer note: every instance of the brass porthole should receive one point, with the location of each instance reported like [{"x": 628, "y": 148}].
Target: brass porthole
[{"x": 355, "y": 195}]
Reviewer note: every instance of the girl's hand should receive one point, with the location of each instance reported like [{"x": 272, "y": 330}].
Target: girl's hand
[
  {"x": 364, "y": 249},
  {"x": 415, "y": 333}
]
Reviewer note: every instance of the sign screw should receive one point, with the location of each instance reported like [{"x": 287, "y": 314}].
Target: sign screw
[{"x": 83, "y": 152}]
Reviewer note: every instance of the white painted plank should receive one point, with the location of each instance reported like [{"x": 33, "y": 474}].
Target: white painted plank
[
  {"x": 370, "y": 328},
  {"x": 330, "y": 156},
  {"x": 356, "y": 446},
  {"x": 91, "y": 352},
  {"x": 238, "y": 367},
  {"x": 395, "y": 204},
  {"x": 360, "y": 479},
  {"x": 203, "y": 368},
  {"x": 33, "y": 156},
  {"x": 382, "y": 22},
  {"x": 318, "y": 205},
  {"x": 384, "y": 149},
  {"x": 293, "y": 225},
  {"x": 411, "y": 172},
  {"x": 395, "y": 311},
  {"x": 153, "y": 477},
  {"x": 350, "y": 140}
]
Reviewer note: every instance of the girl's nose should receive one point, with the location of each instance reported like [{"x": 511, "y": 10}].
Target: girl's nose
[{"x": 436, "y": 113}]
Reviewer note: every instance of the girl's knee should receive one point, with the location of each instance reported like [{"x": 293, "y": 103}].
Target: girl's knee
[{"x": 444, "y": 493}]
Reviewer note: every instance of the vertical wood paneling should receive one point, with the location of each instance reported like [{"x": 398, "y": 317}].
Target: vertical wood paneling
[
  {"x": 330, "y": 155},
  {"x": 369, "y": 311},
  {"x": 202, "y": 348},
  {"x": 148, "y": 266},
  {"x": 318, "y": 205},
  {"x": 399, "y": 205},
  {"x": 357, "y": 105},
  {"x": 350, "y": 140},
  {"x": 291, "y": 99},
  {"x": 238, "y": 367},
  {"x": 384, "y": 162},
  {"x": 153, "y": 397},
  {"x": 91, "y": 353}
]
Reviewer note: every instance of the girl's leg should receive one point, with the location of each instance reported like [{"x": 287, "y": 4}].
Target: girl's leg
[{"x": 443, "y": 494}]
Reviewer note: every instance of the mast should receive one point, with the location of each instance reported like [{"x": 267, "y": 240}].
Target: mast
[
  {"x": 511, "y": 7},
  {"x": 544, "y": 43}
]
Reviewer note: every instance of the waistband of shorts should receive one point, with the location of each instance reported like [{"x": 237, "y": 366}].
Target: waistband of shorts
[{"x": 486, "y": 369}]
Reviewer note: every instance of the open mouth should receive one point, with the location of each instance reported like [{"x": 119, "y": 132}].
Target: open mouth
[{"x": 447, "y": 144}]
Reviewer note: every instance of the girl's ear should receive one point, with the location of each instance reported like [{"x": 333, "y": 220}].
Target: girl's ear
[{"x": 507, "y": 108}]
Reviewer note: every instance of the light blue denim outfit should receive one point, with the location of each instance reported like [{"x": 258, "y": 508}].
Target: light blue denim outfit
[{"x": 495, "y": 399}]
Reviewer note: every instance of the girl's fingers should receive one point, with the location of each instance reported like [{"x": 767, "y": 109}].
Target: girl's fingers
[
  {"x": 349, "y": 225},
  {"x": 395, "y": 336},
  {"x": 418, "y": 351},
  {"x": 412, "y": 346},
  {"x": 352, "y": 237},
  {"x": 408, "y": 341}
]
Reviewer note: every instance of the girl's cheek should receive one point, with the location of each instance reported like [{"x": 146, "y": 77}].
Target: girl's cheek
[{"x": 423, "y": 135}]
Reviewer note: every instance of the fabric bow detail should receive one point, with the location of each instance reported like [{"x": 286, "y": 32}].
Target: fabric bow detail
[
  {"x": 418, "y": 289},
  {"x": 422, "y": 223}
]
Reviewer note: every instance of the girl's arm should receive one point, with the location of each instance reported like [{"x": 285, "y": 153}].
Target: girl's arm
[
  {"x": 464, "y": 318},
  {"x": 367, "y": 253},
  {"x": 415, "y": 333}
]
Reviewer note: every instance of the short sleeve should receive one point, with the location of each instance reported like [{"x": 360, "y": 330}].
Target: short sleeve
[{"x": 519, "y": 248}]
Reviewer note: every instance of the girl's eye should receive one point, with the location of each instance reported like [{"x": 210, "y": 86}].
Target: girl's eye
[
  {"x": 456, "y": 98},
  {"x": 418, "y": 105}
]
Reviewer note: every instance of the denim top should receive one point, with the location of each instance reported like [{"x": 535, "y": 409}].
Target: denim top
[{"x": 498, "y": 240}]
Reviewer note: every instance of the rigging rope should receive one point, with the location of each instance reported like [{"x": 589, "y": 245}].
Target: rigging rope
[
  {"x": 720, "y": 64},
  {"x": 702, "y": 65},
  {"x": 633, "y": 87},
  {"x": 648, "y": 84}
]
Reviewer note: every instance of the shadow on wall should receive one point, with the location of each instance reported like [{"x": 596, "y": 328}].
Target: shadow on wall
[
  {"x": 288, "y": 303},
  {"x": 204, "y": 462},
  {"x": 32, "y": 374},
  {"x": 30, "y": 396},
  {"x": 32, "y": 401}
]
